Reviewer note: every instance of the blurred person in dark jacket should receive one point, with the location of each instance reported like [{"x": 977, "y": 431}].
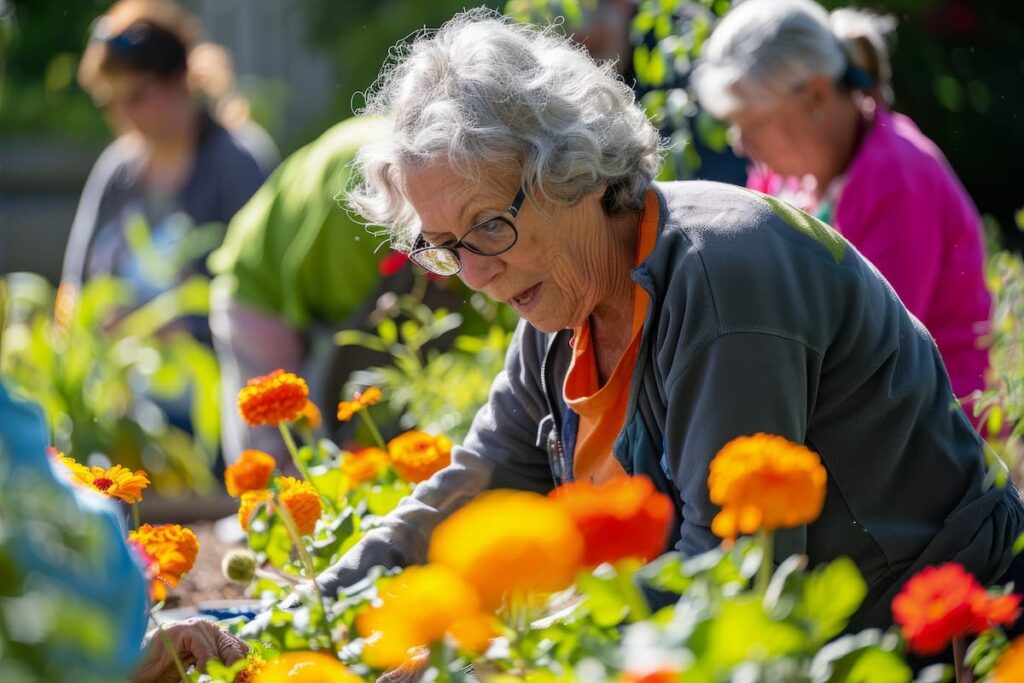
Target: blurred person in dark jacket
[{"x": 174, "y": 164}]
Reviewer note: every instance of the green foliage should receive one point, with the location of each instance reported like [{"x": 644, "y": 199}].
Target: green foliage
[
  {"x": 360, "y": 35},
  {"x": 38, "y": 94},
  {"x": 97, "y": 372},
  {"x": 668, "y": 41},
  {"x": 438, "y": 391},
  {"x": 1001, "y": 406}
]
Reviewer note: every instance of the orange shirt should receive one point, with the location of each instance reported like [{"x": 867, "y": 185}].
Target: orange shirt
[{"x": 602, "y": 409}]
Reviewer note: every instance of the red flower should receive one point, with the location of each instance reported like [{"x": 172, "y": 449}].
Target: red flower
[
  {"x": 625, "y": 517},
  {"x": 941, "y": 603},
  {"x": 392, "y": 263}
]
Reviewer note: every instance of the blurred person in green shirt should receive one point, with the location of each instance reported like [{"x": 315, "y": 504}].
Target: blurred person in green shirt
[{"x": 294, "y": 268}]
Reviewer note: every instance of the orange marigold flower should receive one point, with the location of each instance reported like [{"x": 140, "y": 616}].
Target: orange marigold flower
[
  {"x": 360, "y": 402},
  {"x": 417, "y": 608},
  {"x": 306, "y": 667},
  {"x": 173, "y": 546},
  {"x": 273, "y": 399},
  {"x": 310, "y": 417},
  {"x": 363, "y": 465},
  {"x": 118, "y": 482},
  {"x": 247, "y": 506},
  {"x": 622, "y": 518},
  {"x": 1010, "y": 667},
  {"x": 252, "y": 472},
  {"x": 509, "y": 542},
  {"x": 417, "y": 455},
  {"x": 765, "y": 482},
  {"x": 302, "y": 501},
  {"x": 941, "y": 603},
  {"x": 64, "y": 307},
  {"x": 150, "y": 570}
]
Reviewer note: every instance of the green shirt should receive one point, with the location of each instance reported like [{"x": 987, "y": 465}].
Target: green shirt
[{"x": 293, "y": 250}]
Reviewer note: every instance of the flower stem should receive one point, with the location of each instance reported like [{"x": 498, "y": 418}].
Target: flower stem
[
  {"x": 963, "y": 672},
  {"x": 372, "y": 426},
  {"x": 307, "y": 562},
  {"x": 135, "y": 516},
  {"x": 289, "y": 441},
  {"x": 635, "y": 600},
  {"x": 170, "y": 648},
  {"x": 764, "y": 572},
  {"x": 276, "y": 577},
  {"x": 308, "y": 436}
]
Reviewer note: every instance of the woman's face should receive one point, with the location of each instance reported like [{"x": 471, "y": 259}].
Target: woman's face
[
  {"x": 551, "y": 277},
  {"x": 150, "y": 104},
  {"x": 779, "y": 135}
]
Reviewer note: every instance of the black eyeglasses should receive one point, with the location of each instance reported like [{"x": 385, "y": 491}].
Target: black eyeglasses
[{"x": 490, "y": 237}]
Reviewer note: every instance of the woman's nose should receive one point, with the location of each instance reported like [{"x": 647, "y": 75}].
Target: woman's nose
[{"x": 478, "y": 271}]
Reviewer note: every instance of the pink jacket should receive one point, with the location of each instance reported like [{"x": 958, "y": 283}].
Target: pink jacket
[{"x": 902, "y": 207}]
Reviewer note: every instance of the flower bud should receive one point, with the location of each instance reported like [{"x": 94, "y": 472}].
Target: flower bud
[{"x": 239, "y": 566}]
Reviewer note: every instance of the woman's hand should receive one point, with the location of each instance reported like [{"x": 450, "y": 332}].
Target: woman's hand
[{"x": 196, "y": 641}]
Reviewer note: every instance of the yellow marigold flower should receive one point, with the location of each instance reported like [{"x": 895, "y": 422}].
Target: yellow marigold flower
[
  {"x": 273, "y": 399},
  {"x": 247, "y": 506},
  {"x": 310, "y": 417},
  {"x": 363, "y": 465},
  {"x": 252, "y": 472},
  {"x": 765, "y": 482},
  {"x": 417, "y": 455},
  {"x": 173, "y": 546},
  {"x": 306, "y": 667},
  {"x": 118, "y": 482},
  {"x": 417, "y": 608},
  {"x": 1010, "y": 667},
  {"x": 302, "y": 501},
  {"x": 360, "y": 402},
  {"x": 510, "y": 542},
  {"x": 254, "y": 664},
  {"x": 73, "y": 467}
]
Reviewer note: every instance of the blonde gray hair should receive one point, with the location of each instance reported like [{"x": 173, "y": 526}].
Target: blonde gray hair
[
  {"x": 484, "y": 92},
  {"x": 764, "y": 49}
]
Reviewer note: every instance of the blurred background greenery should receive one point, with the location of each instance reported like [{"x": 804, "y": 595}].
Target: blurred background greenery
[{"x": 959, "y": 73}]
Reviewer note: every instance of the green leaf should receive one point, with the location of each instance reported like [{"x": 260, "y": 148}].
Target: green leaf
[
  {"x": 831, "y": 594},
  {"x": 605, "y": 601},
  {"x": 359, "y": 338},
  {"x": 279, "y": 544},
  {"x": 380, "y": 500},
  {"x": 259, "y": 529},
  {"x": 742, "y": 632},
  {"x": 326, "y": 480},
  {"x": 666, "y": 574},
  {"x": 867, "y": 657},
  {"x": 1018, "y": 545},
  {"x": 387, "y": 330},
  {"x": 222, "y": 673}
]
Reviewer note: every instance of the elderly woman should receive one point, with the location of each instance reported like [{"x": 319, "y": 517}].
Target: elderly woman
[
  {"x": 660, "y": 321},
  {"x": 806, "y": 93}
]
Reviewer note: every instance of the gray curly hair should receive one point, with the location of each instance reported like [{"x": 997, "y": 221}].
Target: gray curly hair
[{"x": 484, "y": 92}]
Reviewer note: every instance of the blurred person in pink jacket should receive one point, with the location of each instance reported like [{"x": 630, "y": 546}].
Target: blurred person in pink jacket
[{"x": 806, "y": 94}]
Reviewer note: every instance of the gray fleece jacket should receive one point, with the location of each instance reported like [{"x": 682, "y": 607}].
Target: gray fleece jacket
[{"x": 761, "y": 319}]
